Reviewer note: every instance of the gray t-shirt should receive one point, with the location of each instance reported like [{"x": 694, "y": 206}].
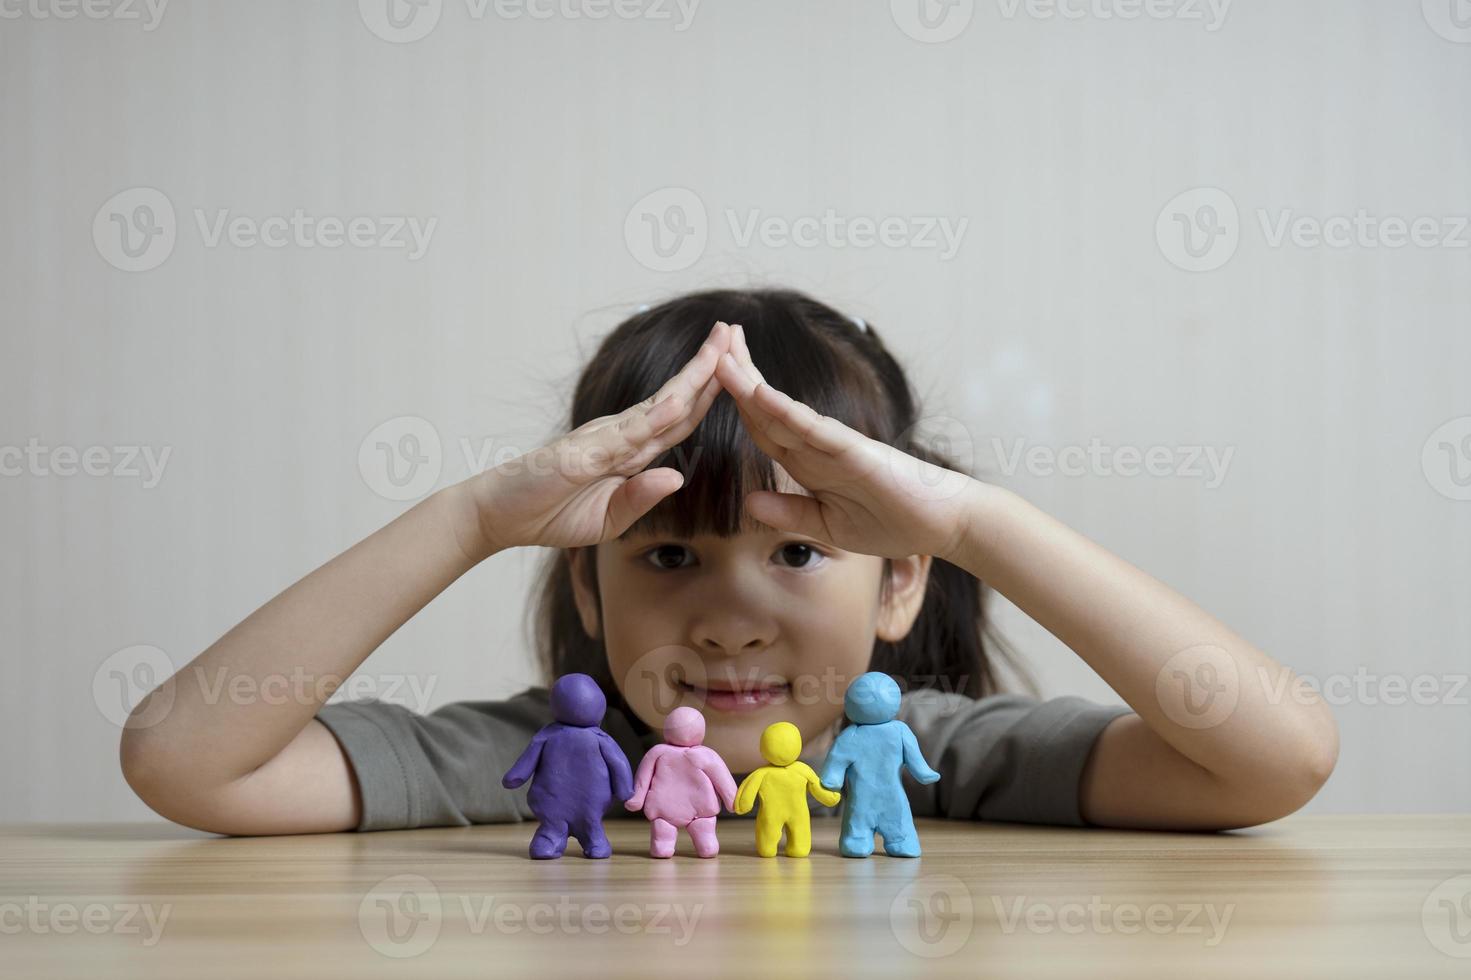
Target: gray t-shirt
[{"x": 1003, "y": 757}]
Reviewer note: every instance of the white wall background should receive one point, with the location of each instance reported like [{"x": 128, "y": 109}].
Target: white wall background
[{"x": 1335, "y": 541}]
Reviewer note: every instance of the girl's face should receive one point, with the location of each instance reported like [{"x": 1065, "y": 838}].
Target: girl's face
[{"x": 761, "y": 627}]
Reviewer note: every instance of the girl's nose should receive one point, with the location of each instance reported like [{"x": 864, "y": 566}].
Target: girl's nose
[{"x": 731, "y": 632}]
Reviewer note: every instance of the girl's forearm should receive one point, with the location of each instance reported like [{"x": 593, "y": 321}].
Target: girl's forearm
[
  {"x": 1215, "y": 698},
  {"x": 237, "y": 704}
]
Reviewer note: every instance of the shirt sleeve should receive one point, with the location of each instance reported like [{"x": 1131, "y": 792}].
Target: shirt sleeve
[
  {"x": 1005, "y": 757},
  {"x": 440, "y": 769}
]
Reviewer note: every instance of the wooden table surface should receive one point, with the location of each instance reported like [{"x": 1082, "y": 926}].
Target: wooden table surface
[{"x": 1306, "y": 897}]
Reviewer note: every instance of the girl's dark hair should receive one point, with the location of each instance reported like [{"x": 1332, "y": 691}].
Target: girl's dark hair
[{"x": 817, "y": 356}]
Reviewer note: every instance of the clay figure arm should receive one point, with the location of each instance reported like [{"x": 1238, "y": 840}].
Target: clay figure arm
[
  {"x": 620, "y": 774},
  {"x": 719, "y": 775},
  {"x": 525, "y": 766},
  {"x": 746, "y": 795},
  {"x": 914, "y": 759},
  {"x": 839, "y": 758},
  {"x": 644, "y": 778},
  {"x": 822, "y": 794}
]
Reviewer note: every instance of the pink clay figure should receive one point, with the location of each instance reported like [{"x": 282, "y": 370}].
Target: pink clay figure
[{"x": 682, "y": 783}]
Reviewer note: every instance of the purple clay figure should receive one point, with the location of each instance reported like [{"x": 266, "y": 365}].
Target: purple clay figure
[
  {"x": 682, "y": 783},
  {"x": 578, "y": 771}
]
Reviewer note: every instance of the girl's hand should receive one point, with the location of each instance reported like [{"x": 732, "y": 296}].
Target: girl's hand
[
  {"x": 590, "y": 485},
  {"x": 866, "y": 497}
]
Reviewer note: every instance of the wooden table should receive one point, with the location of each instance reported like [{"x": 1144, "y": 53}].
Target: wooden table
[{"x": 1307, "y": 897}]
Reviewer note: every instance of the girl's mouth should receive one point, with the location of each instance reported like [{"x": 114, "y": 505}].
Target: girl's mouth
[{"x": 736, "y": 699}]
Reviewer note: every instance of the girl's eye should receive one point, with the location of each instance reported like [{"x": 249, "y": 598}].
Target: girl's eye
[
  {"x": 667, "y": 556},
  {"x": 799, "y": 555}
]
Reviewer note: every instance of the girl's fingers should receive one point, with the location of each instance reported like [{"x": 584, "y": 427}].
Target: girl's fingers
[
  {"x": 698, "y": 369},
  {"x": 819, "y": 431},
  {"x": 741, "y": 352},
  {"x": 636, "y": 496},
  {"x": 770, "y": 434},
  {"x": 788, "y": 512}
]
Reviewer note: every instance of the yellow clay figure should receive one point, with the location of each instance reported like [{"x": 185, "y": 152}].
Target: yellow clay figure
[{"x": 782, "y": 789}]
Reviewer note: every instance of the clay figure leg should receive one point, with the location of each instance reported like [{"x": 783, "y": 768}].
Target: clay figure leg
[
  {"x": 589, "y": 833},
  {"x": 662, "y": 835},
  {"x": 550, "y": 839},
  {"x": 799, "y": 835},
  {"x": 702, "y": 832},
  {"x": 858, "y": 828},
  {"x": 768, "y": 832},
  {"x": 896, "y": 827}
]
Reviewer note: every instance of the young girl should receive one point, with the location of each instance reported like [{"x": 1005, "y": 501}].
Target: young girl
[{"x": 743, "y": 523}]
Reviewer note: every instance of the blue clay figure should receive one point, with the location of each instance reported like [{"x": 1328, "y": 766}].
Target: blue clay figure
[
  {"x": 868, "y": 755},
  {"x": 578, "y": 771}
]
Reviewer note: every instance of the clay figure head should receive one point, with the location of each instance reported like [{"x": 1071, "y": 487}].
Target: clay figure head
[
  {"x": 577, "y": 700},
  {"x": 684, "y": 726},
  {"x": 872, "y": 699},
  {"x": 781, "y": 743}
]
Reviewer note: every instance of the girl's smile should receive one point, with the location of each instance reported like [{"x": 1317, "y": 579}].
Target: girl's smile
[{"x": 720, "y": 696}]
